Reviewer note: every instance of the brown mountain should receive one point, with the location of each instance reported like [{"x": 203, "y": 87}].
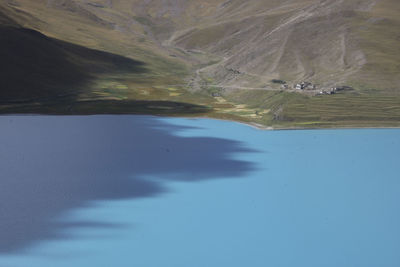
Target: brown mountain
[{"x": 232, "y": 44}]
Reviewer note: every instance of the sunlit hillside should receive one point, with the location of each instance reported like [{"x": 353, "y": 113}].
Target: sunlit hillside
[{"x": 231, "y": 56}]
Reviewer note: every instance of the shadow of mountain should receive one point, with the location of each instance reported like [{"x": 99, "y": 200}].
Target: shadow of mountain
[
  {"x": 50, "y": 165},
  {"x": 145, "y": 107},
  {"x": 34, "y": 66}
]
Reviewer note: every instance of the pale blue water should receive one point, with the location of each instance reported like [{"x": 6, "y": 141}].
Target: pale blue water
[{"x": 150, "y": 192}]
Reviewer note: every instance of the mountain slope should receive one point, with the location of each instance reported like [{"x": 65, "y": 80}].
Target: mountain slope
[
  {"x": 327, "y": 42},
  {"x": 34, "y": 66},
  {"x": 232, "y": 55}
]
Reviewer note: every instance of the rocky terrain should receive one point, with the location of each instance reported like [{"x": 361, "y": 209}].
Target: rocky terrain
[{"x": 220, "y": 48}]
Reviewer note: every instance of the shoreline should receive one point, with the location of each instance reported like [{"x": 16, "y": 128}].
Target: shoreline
[
  {"x": 262, "y": 127},
  {"x": 254, "y": 125}
]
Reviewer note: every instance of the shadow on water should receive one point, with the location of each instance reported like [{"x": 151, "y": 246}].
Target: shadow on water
[{"x": 50, "y": 165}]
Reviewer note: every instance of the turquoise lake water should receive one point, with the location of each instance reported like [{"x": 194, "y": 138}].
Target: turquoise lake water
[{"x": 171, "y": 192}]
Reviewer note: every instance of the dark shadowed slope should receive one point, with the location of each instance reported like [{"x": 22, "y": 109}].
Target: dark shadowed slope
[{"x": 36, "y": 67}]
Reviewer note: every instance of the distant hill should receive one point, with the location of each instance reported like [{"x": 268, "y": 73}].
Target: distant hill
[
  {"x": 214, "y": 48},
  {"x": 328, "y": 42}
]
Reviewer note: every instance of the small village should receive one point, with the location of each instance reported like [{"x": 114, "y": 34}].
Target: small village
[{"x": 308, "y": 86}]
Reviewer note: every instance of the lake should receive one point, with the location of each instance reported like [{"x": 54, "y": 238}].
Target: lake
[{"x": 149, "y": 192}]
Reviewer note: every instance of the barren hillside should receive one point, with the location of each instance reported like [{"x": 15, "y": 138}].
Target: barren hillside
[
  {"x": 221, "y": 47},
  {"x": 327, "y": 42}
]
